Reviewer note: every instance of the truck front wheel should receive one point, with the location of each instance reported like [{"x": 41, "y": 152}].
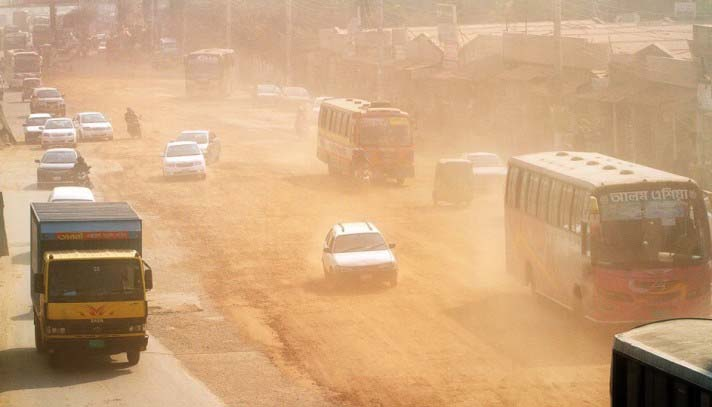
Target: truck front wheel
[{"x": 133, "y": 357}]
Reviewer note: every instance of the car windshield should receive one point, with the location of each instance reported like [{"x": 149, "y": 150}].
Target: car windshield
[
  {"x": 37, "y": 121},
  {"x": 59, "y": 157},
  {"x": 58, "y": 124},
  {"x": 384, "y": 131},
  {"x": 28, "y": 63},
  {"x": 300, "y": 92},
  {"x": 651, "y": 226},
  {"x": 267, "y": 89},
  {"x": 182, "y": 150},
  {"x": 95, "y": 280},
  {"x": 361, "y": 242},
  {"x": 198, "y": 137},
  {"x": 48, "y": 93},
  {"x": 484, "y": 160},
  {"x": 93, "y": 118}
]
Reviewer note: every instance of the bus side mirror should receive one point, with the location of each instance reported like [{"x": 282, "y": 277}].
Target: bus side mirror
[
  {"x": 38, "y": 283},
  {"x": 585, "y": 241},
  {"x": 148, "y": 275}
]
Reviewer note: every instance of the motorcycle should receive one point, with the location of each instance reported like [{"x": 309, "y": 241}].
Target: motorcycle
[
  {"x": 134, "y": 128},
  {"x": 81, "y": 178}
]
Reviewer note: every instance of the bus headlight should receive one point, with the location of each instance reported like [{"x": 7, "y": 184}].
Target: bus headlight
[{"x": 53, "y": 330}]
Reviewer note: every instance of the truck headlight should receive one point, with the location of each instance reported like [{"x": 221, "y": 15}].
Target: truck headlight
[{"x": 137, "y": 328}]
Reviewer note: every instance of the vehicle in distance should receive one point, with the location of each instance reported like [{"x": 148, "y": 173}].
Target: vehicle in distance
[
  {"x": 267, "y": 93},
  {"x": 47, "y": 100},
  {"x": 28, "y": 86},
  {"x": 58, "y": 131},
  {"x": 294, "y": 95},
  {"x": 614, "y": 241},
  {"x": 454, "y": 182},
  {"x": 89, "y": 280},
  {"x": 486, "y": 164},
  {"x": 358, "y": 252},
  {"x": 207, "y": 141},
  {"x": 667, "y": 363},
  {"x": 93, "y": 125},
  {"x": 33, "y": 125},
  {"x": 71, "y": 194},
  {"x": 210, "y": 71},
  {"x": 365, "y": 140},
  {"x": 56, "y": 166},
  {"x": 184, "y": 158}
]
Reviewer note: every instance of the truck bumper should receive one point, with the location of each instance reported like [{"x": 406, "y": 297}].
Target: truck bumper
[{"x": 106, "y": 346}]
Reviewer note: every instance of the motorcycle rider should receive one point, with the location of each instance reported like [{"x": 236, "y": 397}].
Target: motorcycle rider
[
  {"x": 132, "y": 123},
  {"x": 81, "y": 172}
]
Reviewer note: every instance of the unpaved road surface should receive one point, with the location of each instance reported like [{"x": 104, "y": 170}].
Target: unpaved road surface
[{"x": 239, "y": 292}]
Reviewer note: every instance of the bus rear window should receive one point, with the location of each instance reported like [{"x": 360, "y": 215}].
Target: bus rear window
[{"x": 384, "y": 131}]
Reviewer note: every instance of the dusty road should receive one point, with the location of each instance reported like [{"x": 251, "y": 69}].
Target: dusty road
[{"x": 239, "y": 295}]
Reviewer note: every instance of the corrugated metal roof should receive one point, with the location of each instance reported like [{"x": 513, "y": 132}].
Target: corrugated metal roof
[
  {"x": 680, "y": 347},
  {"x": 593, "y": 169},
  {"x": 83, "y": 211}
]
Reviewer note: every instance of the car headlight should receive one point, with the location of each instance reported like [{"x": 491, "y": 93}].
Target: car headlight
[{"x": 137, "y": 328}]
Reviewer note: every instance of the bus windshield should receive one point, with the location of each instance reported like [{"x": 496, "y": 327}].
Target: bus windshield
[
  {"x": 27, "y": 64},
  {"x": 96, "y": 280},
  {"x": 384, "y": 131},
  {"x": 204, "y": 66},
  {"x": 651, "y": 226}
]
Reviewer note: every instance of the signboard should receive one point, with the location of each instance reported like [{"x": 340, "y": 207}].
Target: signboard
[
  {"x": 685, "y": 10},
  {"x": 121, "y": 235}
]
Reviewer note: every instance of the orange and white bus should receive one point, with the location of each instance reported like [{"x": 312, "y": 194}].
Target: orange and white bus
[
  {"x": 366, "y": 140},
  {"x": 612, "y": 240}
]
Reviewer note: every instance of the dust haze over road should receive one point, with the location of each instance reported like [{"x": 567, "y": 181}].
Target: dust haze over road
[{"x": 240, "y": 297}]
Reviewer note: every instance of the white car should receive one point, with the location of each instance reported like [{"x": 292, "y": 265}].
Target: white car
[
  {"x": 267, "y": 93},
  {"x": 358, "y": 252},
  {"x": 59, "y": 131},
  {"x": 184, "y": 158},
  {"x": 93, "y": 125},
  {"x": 295, "y": 95},
  {"x": 32, "y": 127},
  {"x": 207, "y": 141},
  {"x": 71, "y": 194},
  {"x": 486, "y": 164}
]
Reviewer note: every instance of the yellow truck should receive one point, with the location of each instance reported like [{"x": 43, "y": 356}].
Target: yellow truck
[{"x": 89, "y": 281}]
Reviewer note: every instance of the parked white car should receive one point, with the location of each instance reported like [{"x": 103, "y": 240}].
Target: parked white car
[
  {"x": 93, "y": 125},
  {"x": 184, "y": 158},
  {"x": 71, "y": 194},
  {"x": 486, "y": 164},
  {"x": 267, "y": 93},
  {"x": 59, "y": 131},
  {"x": 358, "y": 252}
]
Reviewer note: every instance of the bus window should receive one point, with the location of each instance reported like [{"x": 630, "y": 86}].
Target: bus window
[
  {"x": 334, "y": 123},
  {"x": 554, "y": 202},
  {"x": 567, "y": 195},
  {"x": 342, "y": 125},
  {"x": 322, "y": 117},
  {"x": 532, "y": 195},
  {"x": 512, "y": 184},
  {"x": 347, "y": 126},
  {"x": 523, "y": 189},
  {"x": 543, "y": 206},
  {"x": 580, "y": 198}
]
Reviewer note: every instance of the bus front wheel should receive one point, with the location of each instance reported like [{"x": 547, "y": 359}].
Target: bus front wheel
[
  {"x": 133, "y": 357},
  {"x": 39, "y": 341}
]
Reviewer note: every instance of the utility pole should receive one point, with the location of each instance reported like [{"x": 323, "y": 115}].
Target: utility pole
[
  {"x": 53, "y": 20},
  {"x": 228, "y": 24},
  {"x": 184, "y": 26},
  {"x": 557, "y": 39},
  {"x": 288, "y": 47},
  {"x": 379, "y": 80},
  {"x": 557, "y": 108},
  {"x": 154, "y": 23}
]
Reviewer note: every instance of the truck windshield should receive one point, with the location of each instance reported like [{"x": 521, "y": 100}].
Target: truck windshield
[
  {"x": 207, "y": 66},
  {"x": 384, "y": 131},
  {"x": 27, "y": 64},
  {"x": 645, "y": 227},
  {"x": 95, "y": 280}
]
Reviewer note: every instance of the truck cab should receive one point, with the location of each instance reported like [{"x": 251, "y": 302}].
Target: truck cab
[{"x": 89, "y": 281}]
